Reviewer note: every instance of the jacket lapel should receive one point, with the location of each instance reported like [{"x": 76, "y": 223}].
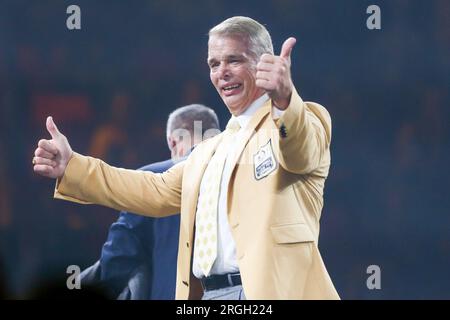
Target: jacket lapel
[
  {"x": 250, "y": 131},
  {"x": 201, "y": 161}
]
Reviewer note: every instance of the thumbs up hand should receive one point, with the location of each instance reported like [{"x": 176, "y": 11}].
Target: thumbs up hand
[
  {"x": 52, "y": 156},
  {"x": 273, "y": 74}
]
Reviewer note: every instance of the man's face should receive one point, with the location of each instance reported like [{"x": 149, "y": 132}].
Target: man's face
[{"x": 233, "y": 72}]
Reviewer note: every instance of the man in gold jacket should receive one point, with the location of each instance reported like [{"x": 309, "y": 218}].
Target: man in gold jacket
[{"x": 260, "y": 182}]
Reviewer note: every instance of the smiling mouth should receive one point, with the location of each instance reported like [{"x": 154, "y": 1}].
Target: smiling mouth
[
  {"x": 232, "y": 87},
  {"x": 231, "y": 90}
]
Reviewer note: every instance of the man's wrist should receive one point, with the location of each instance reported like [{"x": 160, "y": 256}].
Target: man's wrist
[{"x": 282, "y": 104}]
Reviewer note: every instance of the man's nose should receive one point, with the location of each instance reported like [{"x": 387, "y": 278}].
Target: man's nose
[{"x": 224, "y": 71}]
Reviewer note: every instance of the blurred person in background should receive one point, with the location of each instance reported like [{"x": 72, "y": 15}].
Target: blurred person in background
[{"x": 139, "y": 258}]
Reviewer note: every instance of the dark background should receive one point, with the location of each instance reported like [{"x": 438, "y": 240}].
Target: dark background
[{"x": 111, "y": 85}]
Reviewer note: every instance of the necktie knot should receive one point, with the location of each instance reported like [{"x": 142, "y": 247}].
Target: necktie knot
[{"x": 233, "y": 125}]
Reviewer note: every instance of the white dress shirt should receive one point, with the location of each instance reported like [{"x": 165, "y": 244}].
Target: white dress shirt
[{"x": 226, "y": 261}]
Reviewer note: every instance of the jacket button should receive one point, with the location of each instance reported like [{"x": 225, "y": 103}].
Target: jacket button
[
  {"x": 185, "y": 283},
  {"x": 283, "y": 131},
  {"x": 187, "y": 244}
]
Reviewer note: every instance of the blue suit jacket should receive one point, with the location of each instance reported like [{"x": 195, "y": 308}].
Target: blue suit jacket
[{"x": 139, "y": 258}]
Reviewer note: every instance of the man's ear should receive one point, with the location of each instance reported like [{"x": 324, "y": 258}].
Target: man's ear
[{"x": 172, "y": 143}]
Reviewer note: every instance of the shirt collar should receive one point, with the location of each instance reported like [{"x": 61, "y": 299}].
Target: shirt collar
[{"x": 244, "y": 117}]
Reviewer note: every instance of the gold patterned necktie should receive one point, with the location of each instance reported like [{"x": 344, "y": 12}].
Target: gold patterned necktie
[{"x": 205, "y": 250}]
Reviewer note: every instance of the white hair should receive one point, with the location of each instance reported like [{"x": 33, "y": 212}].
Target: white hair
[{"x": 257, "y": 36}]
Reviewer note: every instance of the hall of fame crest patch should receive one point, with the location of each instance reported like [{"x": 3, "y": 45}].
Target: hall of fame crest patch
[{"x": 264, "y": 161}]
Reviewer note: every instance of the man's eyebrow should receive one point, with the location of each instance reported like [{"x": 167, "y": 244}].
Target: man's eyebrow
[
  {"x": 228, "y": 57},
  {"x": 235, "y": 56}
]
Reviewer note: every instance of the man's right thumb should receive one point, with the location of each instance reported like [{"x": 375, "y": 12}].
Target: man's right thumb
[{"x": 51, "y": 128}]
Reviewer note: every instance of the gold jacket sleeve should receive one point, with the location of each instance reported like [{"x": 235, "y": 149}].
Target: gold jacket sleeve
[
  {"x": 91, "y": 181},
  {"x": 305, "y": 137}
]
